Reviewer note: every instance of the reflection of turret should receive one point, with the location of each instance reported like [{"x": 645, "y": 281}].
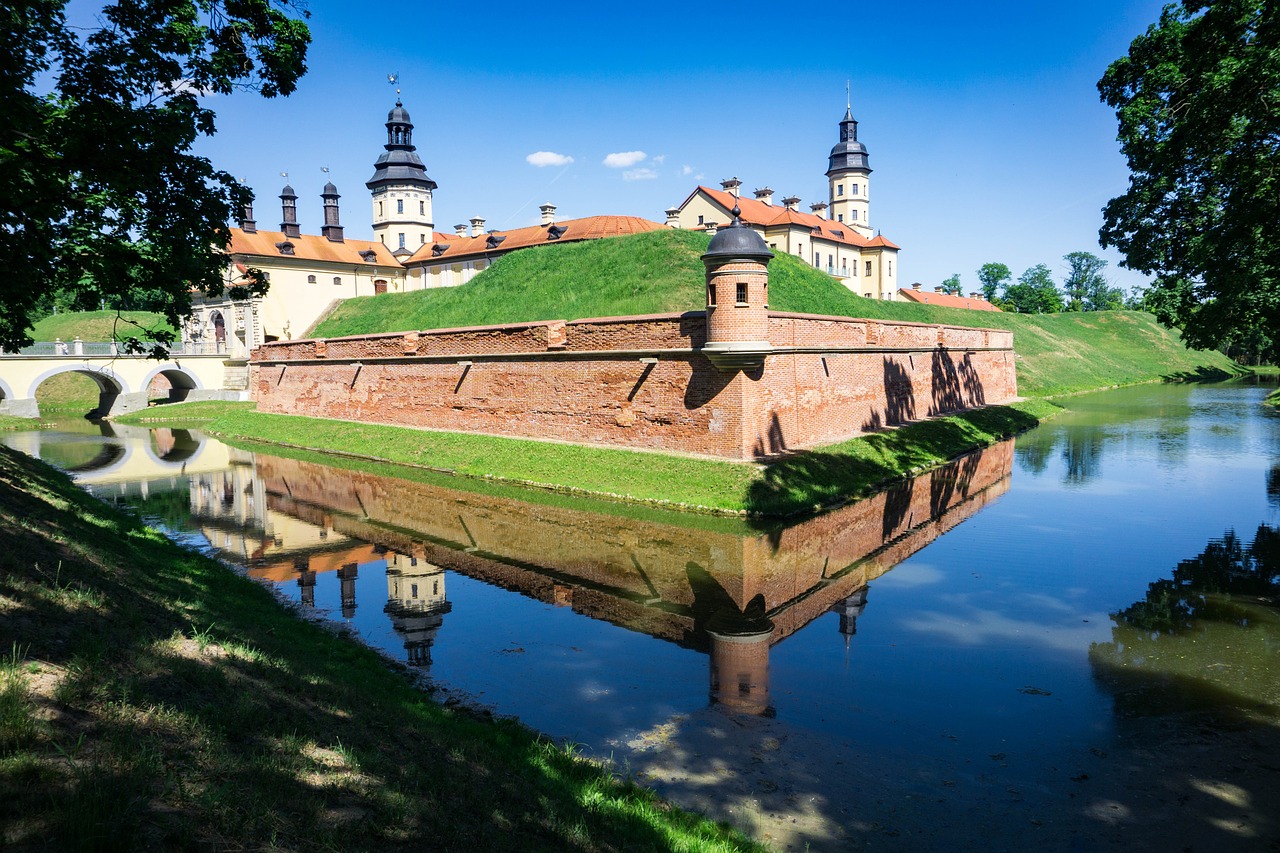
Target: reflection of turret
[
  {"x": 850, "y": 609},
  {"x": 347, "y": 583},
  {"x": 740, "y": 659},
  {"x": 306, "y": 583},
  {"x": 416, "y": 604}
]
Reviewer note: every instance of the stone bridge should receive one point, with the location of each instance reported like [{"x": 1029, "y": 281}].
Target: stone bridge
[{"x": 123, "y": 380}]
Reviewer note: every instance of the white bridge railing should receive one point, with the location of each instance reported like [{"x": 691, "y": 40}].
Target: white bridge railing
[{"x": 108, "y": 348}]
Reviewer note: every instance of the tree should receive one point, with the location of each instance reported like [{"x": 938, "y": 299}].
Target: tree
[
  {"x": 101, "y": 198},
  {"x": 1197, "y": 99},
  {"x": 993, "y": 277},
  {"x": 1086, "y": 288},
  {"x": 952, "y": 285},
  {"x": 1035, "y": 292}
]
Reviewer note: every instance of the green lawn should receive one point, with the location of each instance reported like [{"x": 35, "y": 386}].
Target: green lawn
[
  {"x": 152, "y": 699},
  {"x": 98, "y": 325}
]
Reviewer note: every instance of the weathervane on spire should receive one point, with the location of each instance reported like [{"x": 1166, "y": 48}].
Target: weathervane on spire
[
  {"x": 848, "y": 99},
  {"x": 324, "y": 169},
  {"x": 284, "y": 175},
  {"x": 394, "y": 79}
]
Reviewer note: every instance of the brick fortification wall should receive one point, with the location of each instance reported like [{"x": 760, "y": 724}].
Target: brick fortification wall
[{"x": 641, "y": 382}]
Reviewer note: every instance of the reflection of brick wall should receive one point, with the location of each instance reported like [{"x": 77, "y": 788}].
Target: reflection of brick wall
[
  {"x": 614, "y": 568},
  {"x": 585, "y": 381}
]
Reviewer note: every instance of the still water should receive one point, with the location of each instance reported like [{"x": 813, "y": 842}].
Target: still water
[{"x": 1012, "y": 649}]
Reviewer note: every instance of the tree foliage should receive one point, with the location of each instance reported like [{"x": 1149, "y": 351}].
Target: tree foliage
[
  {"x": 1034, "y": 292},
  {"x": 952, "y": 285},
  {"x": 102, "y": 202},
  {"x": 1198, "y": 104},
  {"x": 993, "y": 276},
  {"x": 1086, "y": 288}
]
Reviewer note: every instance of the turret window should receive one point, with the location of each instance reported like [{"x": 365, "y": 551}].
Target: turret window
[
  {"x": 853, "y": 189},
  {"x": 742, "y": 293},
  {"x": 711, "y": 296},
  {"x": 854, "y": 215},
  {"x": 399, "y": 205},
  {"x": 839, "y": 189},
  {"x": 402, "y": 240},
  {"x": 422, "y": 208},
  {"x": 379, "y": 208}
]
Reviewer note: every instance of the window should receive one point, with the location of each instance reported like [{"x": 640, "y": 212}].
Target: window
[
  {"x": 402, "y": 240},
  {"x": 337, "y": 279},
  {"x": 868, "y": 272},
  {"x": 422, "y": 239},
  {"x": 840, "y": 217},
  {"x": 700, "y": 222},
  {"x": 380, "y": 285},
  {"x": 742, "y": 293},
  {"x": 311, "y": 279},
  {"x": 890, "y": 269},
  {"x": 399, "y": 205},
  {"x": 839, "y": 189},
  {"x": 422, "y": 208},
  {"x": 379, "y": 208},
  {"x": 711, "y": 296},
  {"x": 854, "y": 216},
  {"x": 853, "y": 190}
]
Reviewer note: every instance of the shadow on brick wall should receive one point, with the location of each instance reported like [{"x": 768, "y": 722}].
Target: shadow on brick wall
[{"x": 955, "y": 385}]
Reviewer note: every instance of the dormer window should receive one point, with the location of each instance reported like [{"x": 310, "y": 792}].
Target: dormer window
[
  {"x": 555, "y": 231},
  {"x": 285, "y": 247},
  {"x": 368, "y": 256},
  {"x": 438, "y": 249},
  {"x": 494, "y": 240}
]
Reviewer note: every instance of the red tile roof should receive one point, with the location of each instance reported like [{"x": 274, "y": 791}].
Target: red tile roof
[
  {"x": 451, "y": 247},
  {"x": 756, "y": 212},
  {"x": 309, "y": 247},
  {"x": 946, "y": 300}
]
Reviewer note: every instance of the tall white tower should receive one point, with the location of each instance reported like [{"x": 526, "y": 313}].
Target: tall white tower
[
  {"x": 849, "y": 179},
  {"x": 401, "y": 190}
]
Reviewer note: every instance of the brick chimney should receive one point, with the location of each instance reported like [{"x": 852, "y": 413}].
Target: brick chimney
[
  {"x": 289, "y": 212},
  {"x": 247, "y": 225}
]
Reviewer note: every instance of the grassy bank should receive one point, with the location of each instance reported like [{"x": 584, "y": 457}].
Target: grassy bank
[
  {"x": 796, "y": 484},
  {"x": 98, "y": 325},
  {"x": 661, "y": 272},
  {"x": 150, "y": 698}
]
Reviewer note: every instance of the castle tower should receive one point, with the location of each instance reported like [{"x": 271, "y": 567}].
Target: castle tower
[
  {"x": 289, "y": 213},
  {"x": 849, "y": 179},
  {"x": 737, "y": 262},
  {"x": 332, "y": 229},
  {"x": 401, "y": 190}
]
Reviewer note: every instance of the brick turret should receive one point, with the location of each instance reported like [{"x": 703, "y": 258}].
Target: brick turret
[{"x": 737, "y": 263}]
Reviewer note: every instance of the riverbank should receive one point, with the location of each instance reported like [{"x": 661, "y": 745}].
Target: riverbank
[
  {"x": 801, "y": 483},
  {"x": 150, "y": 698}
]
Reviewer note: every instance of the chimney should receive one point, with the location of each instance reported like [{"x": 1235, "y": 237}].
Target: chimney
[
  {"x": 764, "y": 194},
  {"x": 673, "y": 217},
  {"x": 460, "y": 230},
  {"x": 711, "y": 227},
  {"x": 977, "y": 294},
  {"x": 247, "y": 225},
  {"x": 477, "y": 226},
  {"x": 289, "y": 208},
  {"x": 791, "y": 202},
  {"x": 819, "y": 209},
  {"x": 731, "y": 186},
  {"x": 916, "y": 285},
  {"x": 331, "y": 230},
  {"x": 548, "y": 213},
  {"x": 939, "y": 289}
]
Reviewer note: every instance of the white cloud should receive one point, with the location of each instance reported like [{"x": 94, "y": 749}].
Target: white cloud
[
  {"x": 624, "y": 159},
  {"x": 659, "y": 160},
  {"x": 686, "y": 170},
  {"x": 639, "y": 175},
  {"x": 548, "y": 158}
]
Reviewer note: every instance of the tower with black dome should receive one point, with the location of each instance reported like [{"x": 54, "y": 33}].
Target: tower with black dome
[
  {"x": 737, "y": 265},
  {"x": 401, "y": 190},
  {"x": 849, "y": 179}
]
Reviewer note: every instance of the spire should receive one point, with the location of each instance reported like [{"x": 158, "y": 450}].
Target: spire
[
  {"x": 400, "y": 163},
  {"x": 848, "y": 154}
]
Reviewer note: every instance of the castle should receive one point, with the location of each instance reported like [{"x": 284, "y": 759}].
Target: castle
[{"x": 310, "y": 273}]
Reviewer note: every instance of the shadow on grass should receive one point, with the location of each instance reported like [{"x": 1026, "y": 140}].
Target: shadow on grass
[
  {"x": 1205, "y": 374},
  {"x": 183, "y": 707},
  {"x": 807, "y": 481}
]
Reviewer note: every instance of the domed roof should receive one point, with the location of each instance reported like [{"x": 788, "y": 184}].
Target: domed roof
[
  {"x": 398, "y": 113},
  {"x": 329, "y": 189},
  {"x": 848, "y": 153},
  {"x": 736, "y": 240},
  {"x": 288, "y": 192}
]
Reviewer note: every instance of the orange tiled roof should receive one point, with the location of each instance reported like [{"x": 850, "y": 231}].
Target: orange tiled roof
[
  {"x": 453, "y": 247},
  {"x": 756, "y": 212},
  {"x": 310, "y": 247},
  {"x": 946, "y": 300}
]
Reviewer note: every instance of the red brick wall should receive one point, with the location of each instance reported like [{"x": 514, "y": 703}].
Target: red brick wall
[{"x": 537, "y": 380}]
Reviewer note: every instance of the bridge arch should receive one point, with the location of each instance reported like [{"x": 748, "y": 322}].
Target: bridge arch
[
  {"x": 108, "y": 381},
  {"x": 181, "y": 381},
  {"x": 6, "y": 393}
]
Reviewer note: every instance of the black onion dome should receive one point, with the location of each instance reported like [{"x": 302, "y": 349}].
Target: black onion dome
[
  {"x": 329, "y": 190},
  {"x": 848, "y": 154},
  {"x": 400, "y": 162},
  {"x": 736, "y": 240},
  {"x": 288, "y": 192},
  {"x": 398, "y": 114}
]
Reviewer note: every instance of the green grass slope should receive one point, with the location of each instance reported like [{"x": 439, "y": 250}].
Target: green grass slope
[
  {"x": 97, "y": 325},
  {"x": 661, "y": 271}
]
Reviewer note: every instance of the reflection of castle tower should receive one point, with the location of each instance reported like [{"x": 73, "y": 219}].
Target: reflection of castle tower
[
  {"x": 850, "y": 609},
  {"x": 306, "y": 583},
  {"x": 415, "y": 603},
  {"x": 740, "y": 659},
  {"x": 347, "y": 584}
]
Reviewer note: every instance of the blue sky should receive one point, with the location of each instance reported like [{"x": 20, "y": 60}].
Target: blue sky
[{"x": 982, "y": 121}]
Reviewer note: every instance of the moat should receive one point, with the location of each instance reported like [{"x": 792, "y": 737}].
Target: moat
[{"x": 1067, "y": 640}]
